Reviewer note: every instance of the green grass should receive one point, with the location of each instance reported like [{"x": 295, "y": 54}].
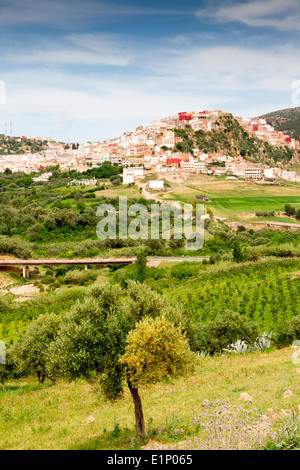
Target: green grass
[
  {"x": 122, "y": 190},
  {"x": 228, "y": 206},
  {"x": 55, "y": 417},
  {"x": 283, "y": 220},
  {"x": 230, "y": 197}
]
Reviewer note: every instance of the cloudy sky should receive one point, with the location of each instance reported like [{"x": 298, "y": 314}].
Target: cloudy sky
[{"x": 90, "y": 70}]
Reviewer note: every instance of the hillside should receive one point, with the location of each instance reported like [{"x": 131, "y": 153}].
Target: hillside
[
  {"x": 286, "y": 120},
  {"x": 17, "y": 145},
  {"x": 228, "y": 137}
]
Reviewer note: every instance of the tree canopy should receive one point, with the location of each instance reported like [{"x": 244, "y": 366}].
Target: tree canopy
[{"x": 95, "y": 338}]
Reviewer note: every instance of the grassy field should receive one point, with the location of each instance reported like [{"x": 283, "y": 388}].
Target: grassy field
[
  {"x": 56, "y": 417},
  {"x": 282, "y": 220},
  {"x": 113, "y": 192},
  {"x": 232, "y": 197}
]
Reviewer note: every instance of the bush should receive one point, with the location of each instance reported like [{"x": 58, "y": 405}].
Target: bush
[
  {"x": 80, "y": 277},
  {"x": 287, "y": 332},
  {"x": 224, "y": 330},
  {"x": 16, "y": 247},
  {"x": 265, "y": 214},
  {"x": 289, "y": 210},
  {"x": 184, "y": 270},
  {"x": 214, "y": 259}
]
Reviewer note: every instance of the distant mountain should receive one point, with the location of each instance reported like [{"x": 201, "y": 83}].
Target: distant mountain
[{"x": 287, "y": 120}]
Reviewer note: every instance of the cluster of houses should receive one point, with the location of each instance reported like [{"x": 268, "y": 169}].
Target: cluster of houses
[
  {"x": 260, "y": 128},
  {"x": 152, "y": 148}
]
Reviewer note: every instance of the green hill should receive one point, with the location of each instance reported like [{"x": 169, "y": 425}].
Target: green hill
[
  {"x": 229, "y": 138},
  {"x": 286, "y": 120},
  {"x": 17, "y": 145}
]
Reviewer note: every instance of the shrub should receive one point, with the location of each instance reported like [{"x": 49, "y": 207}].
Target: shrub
[
  {"x": 15, "y": 246},
  {"x": 227, "y": 328},
  {"x": 265, "y": 214},
  {"x": 79, "y": 277},
  {"x": 47, "y": 279},
  {"x": 287, "y": 332},
  {"x": 184, "y": 270},
  {"x": 289, "y": 210}
]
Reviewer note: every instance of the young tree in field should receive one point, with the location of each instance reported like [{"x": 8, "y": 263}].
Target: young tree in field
[
  {"x": 155, "y": 349},
  {"x": 237, "y": 253},
  {"x": 93, "y": 338},
  {"x": 7, "y": 366},
  {"x": 289, "y": 210},
  {"x": 141, "y": 263},
  {"x": 30, "y": 352}
]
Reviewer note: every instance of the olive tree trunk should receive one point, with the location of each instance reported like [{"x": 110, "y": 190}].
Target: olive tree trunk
[
  {"x": 138, "y": 411},
  {"x": 41, "y": 377}
]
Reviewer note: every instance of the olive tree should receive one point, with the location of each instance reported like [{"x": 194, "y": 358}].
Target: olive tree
[
  {"x": 94, "y": 336},
  {"x": 7, "y": 366},
  {"x": 155, "y": 349},
  {"x": 30, "y": 352}
]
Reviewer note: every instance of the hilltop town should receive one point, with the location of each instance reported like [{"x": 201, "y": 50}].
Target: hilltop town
[{"x": 166, "y": 146}]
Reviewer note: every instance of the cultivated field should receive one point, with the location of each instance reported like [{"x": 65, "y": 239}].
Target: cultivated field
[{"x": 234, "y": 197}]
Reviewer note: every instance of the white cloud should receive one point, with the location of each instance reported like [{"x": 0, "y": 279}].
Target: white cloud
[
  {"x": 282, "y": 15},
  {"x": 151, "y": 83},
  {"x": 69, "y": 57},
  {"x": 82, "y": 49},
  {"x": 235, "y": 68},
  {"x": 59, "y": 103}
]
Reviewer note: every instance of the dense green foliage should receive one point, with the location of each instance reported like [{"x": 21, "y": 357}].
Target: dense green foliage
[
  {"x": 16, "y": 316},
  {"x": 227, "y": 328},
  {"x": 30, "y": 352},
  {"x": 265, "y": 292},
  {"x": 291, "y": 116}
]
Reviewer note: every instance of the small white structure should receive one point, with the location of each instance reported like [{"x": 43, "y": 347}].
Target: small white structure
[
  {"x": 44, "y": 178},
  {"x": 156, "y": 184},
  {"x": 268, "y": 173},
  {"x": 129, "y": 174},
  {"x": 83, "y": 182}
]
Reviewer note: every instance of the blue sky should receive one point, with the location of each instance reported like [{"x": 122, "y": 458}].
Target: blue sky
[{"x": 91, "y": 70}]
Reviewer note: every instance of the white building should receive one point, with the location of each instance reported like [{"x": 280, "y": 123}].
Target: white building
[
  {"x": 288, "y": 175},
  {"x": 193, "y": 165},
  {"x": 156, "y": 184},
  {"x": 129, "y": 173},
  {"x": 83, "y": 182},
  {"x": 252, "y": 173},
  {"x": 269, "y": 173}
]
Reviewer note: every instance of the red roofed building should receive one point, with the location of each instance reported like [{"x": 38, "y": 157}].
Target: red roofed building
[
  {"x": 172, "y": 161},
  {"x": 184, "y": 116}
]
